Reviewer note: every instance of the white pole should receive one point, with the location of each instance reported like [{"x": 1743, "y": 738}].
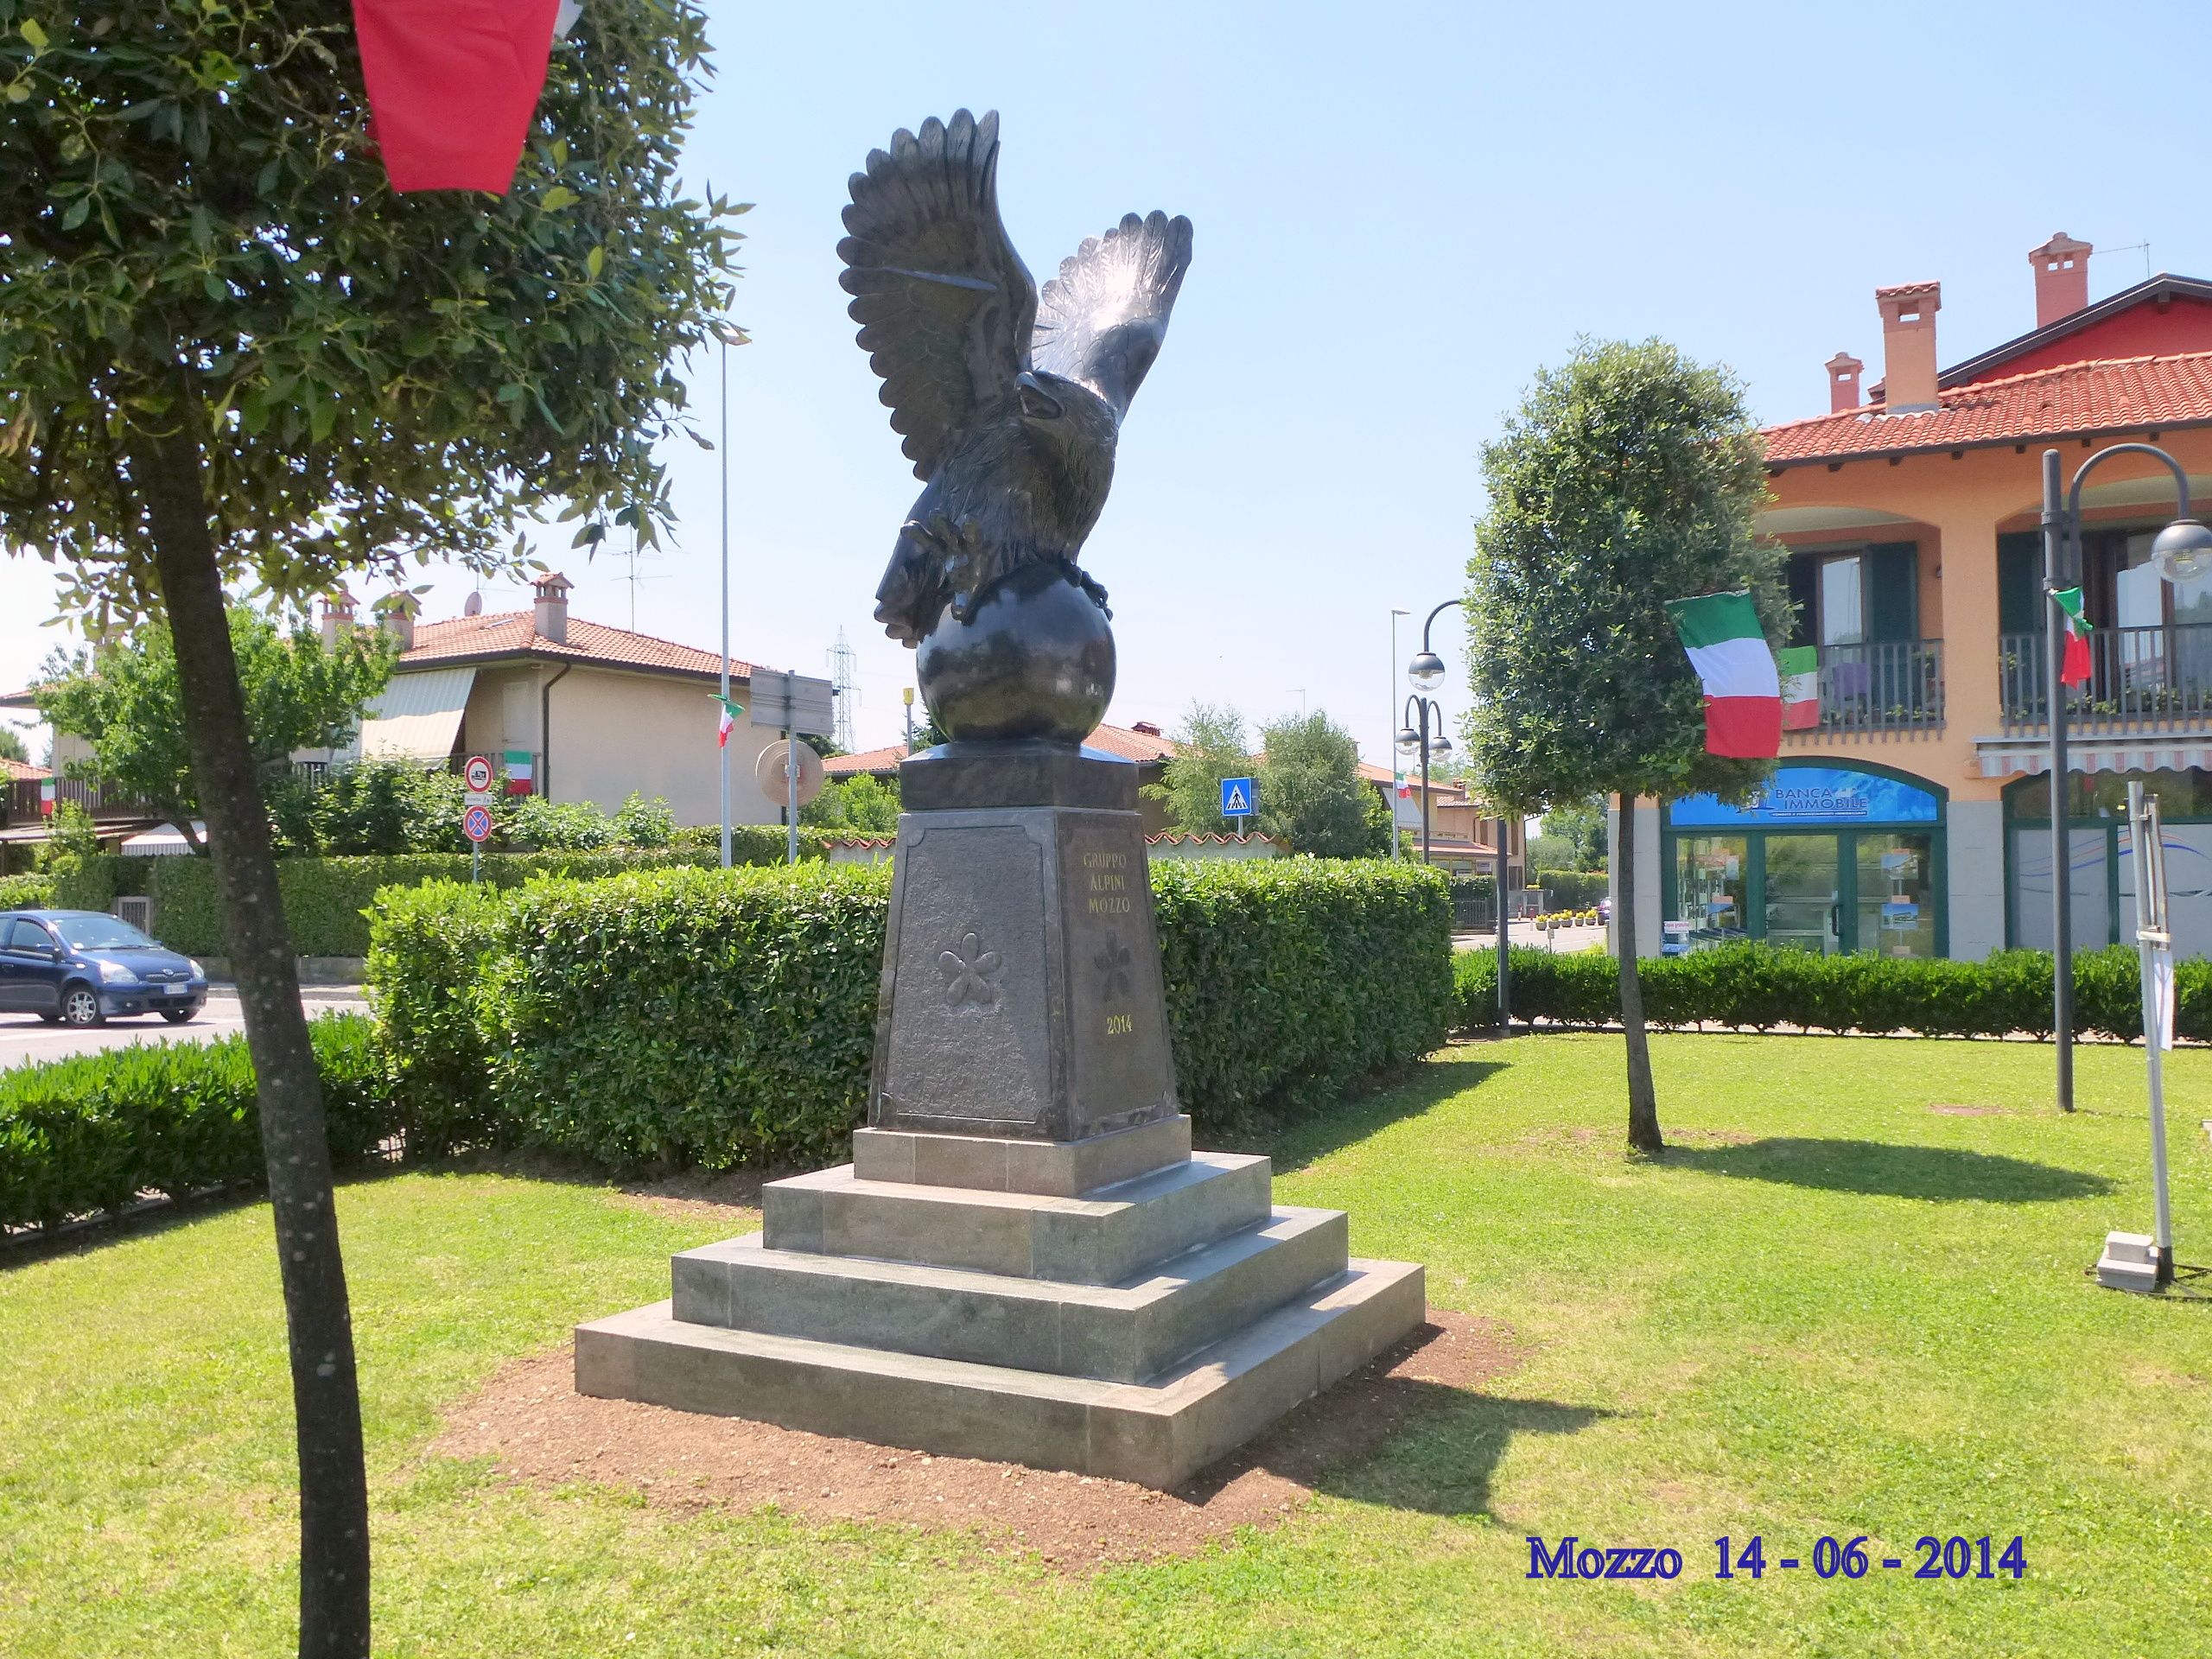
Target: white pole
[
  {"x": 724, "y": 708},
  {"x": 2153, "y": 951}
]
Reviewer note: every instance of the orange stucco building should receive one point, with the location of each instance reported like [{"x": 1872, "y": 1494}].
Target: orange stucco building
[{"x": 1913, "y": 818}]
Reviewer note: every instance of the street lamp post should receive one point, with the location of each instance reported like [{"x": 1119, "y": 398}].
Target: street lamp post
[
  {"x": 1425, "y": 673},
  {"x": 2181, "y": 549}
]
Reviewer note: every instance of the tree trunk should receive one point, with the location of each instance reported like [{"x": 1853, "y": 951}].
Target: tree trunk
[
  {"x": 166, "y": 474},
  {"x": 1643, "y": 1103}
]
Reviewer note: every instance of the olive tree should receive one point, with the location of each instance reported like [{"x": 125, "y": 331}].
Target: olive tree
[
  {"x": 1628, "y": 477},
  {"x": 231, "y": 357}
]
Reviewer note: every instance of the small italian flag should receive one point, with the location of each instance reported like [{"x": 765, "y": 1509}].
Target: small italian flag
[
  {"x": 730, "y": 712},
  {"x": 1743, "y": 692},
  {"x": 2074, "y": 666},
  {"x": 515, "y": 763},
  {"x": 1799, "y": 668}
]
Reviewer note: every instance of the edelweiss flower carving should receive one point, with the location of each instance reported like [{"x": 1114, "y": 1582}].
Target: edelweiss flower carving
[
  {"x": 1113, "y": 965},
  {"x": 968, "y": 973}
]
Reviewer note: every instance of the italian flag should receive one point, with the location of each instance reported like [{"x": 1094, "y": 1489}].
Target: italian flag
[
  {"x": 1743, "y": 693},
  {"x": 2074, "y": 666},
  {"x": 730, "y": 712},
  {"x": 452, "y": 85},
  {"x": 1799, "y": 668}
]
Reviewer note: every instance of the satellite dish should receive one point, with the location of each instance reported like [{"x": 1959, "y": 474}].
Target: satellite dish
[
  {"x": 768, "y": 771},
  {"x": 473, "y": 605}
]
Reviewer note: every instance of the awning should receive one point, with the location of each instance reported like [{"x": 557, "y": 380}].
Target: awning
[
  {"x": 416, "y": 716},
  {"x": 163, "y": 841},
  {"x": 2137, "y": 753}
]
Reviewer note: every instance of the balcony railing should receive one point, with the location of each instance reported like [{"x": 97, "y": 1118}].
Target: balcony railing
[
  {"x": 1895, "y": 685},
  {"x": 2135, "y": 674},
  {"x": 23, "y": 802}
]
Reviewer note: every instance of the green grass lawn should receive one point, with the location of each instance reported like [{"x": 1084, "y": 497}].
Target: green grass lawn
[{"x": 1829, "y": 1311}]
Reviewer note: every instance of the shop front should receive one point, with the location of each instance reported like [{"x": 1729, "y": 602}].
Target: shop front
[
  {"x": 1826, "y": 859},
  {"x": 2100, "y": 882}
]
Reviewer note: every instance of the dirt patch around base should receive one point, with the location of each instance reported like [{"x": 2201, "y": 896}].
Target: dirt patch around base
[{"x": 530, "y": 1419}]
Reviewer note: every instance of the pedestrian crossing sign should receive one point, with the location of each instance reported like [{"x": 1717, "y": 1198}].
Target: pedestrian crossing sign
[{"x": 1237, "y": 798}]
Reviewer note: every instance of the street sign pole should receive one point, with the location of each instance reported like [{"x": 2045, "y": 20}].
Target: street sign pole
[{"x": 790, "y": 793}]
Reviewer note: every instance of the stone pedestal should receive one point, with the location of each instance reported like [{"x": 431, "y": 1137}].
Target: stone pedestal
[{"x": 1025, "y": 1260}]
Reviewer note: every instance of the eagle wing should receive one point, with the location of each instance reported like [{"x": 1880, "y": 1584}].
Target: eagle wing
[
  {"x": 1101, "y": 321},
  {"x": 944, "y": 303}
]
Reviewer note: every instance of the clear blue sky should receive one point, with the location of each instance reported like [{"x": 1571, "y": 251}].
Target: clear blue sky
[{"x": 1401, "y": 211}]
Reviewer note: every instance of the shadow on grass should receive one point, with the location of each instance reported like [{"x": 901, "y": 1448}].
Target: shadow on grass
[
  {"x": 1897, "y": 1172},
  {"x": 1445, "y": 1464},
  {"x": 1307, "y": 1140}
]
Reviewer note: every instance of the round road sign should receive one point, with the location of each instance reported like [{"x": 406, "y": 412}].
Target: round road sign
[
  {"x": 477, "y": 774},
  {"x": 476, "y": 824}
]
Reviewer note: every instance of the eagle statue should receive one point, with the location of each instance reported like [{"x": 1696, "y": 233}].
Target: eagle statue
[{"x": 1010, "y": 398}]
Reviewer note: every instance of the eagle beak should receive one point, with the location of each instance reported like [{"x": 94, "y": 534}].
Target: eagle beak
[{"x": 1036, "y": 402}]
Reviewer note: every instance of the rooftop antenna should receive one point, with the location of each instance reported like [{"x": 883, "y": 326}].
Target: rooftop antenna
[
  {"x": 473, "y": 605},
  {"x": 2144, "y": 248},
  {"x": 845, "y": 678},
  {"x": 634, "y": 578}
]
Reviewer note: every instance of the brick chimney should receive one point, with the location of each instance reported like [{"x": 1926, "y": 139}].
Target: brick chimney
[
  {"x": 396, "y": 616},
  {"x": 2061, "y": 278},
  {"x": 1843, "y": 382},
  {"x": 551, "y": 593},
  {"x": 1908, "y": 345},
  {"x": 337, "y": 619}
]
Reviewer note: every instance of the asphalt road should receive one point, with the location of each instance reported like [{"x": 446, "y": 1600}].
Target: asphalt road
[{"x": 25, "y": 1037}]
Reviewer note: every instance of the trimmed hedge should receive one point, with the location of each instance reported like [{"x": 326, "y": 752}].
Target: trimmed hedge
[
  {"x": 26, "y": 893},
  {"x": 1759, "y": 987},
  {"x": 1290, "y": 981},
  {"x": 326, "y": 900},
  {"x": 94, "y": 1132},
  {"x": 695, "y": 1017},
  {"x": 1571, "y": 889}
]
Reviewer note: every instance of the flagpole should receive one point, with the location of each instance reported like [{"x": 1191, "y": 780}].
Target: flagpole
[
  {"x": 723, "y": 746},
  {"x": 2062, "y": 794}
]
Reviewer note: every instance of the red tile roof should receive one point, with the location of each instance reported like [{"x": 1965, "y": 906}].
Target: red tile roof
[
  {"x": 2114, "y": 395},
  {"x": 21, "y": 770},
  {"x": 883, "y": 760},
  {"x": 514, "y": 633},
  {"x": 1123, "y": 741}
]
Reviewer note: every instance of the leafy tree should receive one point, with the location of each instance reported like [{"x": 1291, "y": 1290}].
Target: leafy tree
[
  {"x": 378, "y": 806},
  {"x": 1382, "y": 821},
  {"x": 12, "y": 746},
  {"x": 859, "y": 805},
  {"x": 127, "y": 702},
  {"x": 1580, "y": 825},
  {"x": 641, "y": 823},
  {"x": 230, "y": 354},
  {"x": 71, "y": 837},
  {"x": 1627, "y": 478},
  {"x": 1312, "y": 796},
  {"x": 1210, "y": 747},
  {"x": 530, "y": 823}
]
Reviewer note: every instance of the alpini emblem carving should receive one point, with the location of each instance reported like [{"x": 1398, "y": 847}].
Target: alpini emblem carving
[{"x": 971, "y": 976}]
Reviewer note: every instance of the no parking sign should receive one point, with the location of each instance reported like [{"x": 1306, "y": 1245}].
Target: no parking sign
[{"x": 476, "y": 824}]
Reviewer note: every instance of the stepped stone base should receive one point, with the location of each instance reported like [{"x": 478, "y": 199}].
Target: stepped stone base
[
  {"x": 1157, "y": 1434},
  {"x": 1137, "y": 1327}
]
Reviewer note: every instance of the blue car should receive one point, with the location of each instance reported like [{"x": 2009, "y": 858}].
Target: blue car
[{"x": 81, "y": 968}]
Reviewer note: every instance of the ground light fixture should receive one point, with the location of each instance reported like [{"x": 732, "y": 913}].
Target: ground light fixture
[{"x": 2181, "y": 549}]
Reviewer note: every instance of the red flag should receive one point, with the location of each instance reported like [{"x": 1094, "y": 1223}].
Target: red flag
[{"x": 452, "y": 86}]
